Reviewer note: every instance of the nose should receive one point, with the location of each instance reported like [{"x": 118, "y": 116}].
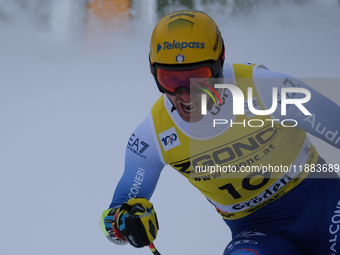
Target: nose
[{"x": 184, "y": 94}]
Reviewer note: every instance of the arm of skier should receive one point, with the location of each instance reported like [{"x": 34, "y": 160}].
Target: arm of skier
[
  {"x": 143, "y": 166},
  {"x": 324, "y": 121}
]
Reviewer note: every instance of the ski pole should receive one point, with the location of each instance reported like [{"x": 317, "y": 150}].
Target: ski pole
[{"x": 153, "y": 249}]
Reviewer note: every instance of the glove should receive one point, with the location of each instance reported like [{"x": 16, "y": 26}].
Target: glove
[
  {"x": 134, "y": 222},
  {"x": 108, "y": 225}
]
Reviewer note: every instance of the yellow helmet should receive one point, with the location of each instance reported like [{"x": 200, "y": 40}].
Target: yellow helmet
[{"x": 185, "y": 40}]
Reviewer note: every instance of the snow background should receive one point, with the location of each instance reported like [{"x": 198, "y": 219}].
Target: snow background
[{"x": 68, "y": 108}]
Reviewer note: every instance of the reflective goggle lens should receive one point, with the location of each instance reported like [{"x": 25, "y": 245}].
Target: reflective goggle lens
[{"x": 172, "y": 80}]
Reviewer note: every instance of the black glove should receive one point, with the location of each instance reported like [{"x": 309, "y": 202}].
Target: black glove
[{"x": 137, "y": 222}]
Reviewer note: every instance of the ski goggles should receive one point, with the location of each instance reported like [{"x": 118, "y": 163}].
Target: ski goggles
[
  {"x": 173, "y": 81},
  {"x": 172, "y": 78}
]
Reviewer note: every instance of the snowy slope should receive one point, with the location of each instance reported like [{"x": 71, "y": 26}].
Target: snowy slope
[{"x": 67, "y": 110}]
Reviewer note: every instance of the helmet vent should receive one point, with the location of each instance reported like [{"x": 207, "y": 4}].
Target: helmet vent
[
  {"x": 182, "y": 13},
  {"x": 180, "y": 23}
]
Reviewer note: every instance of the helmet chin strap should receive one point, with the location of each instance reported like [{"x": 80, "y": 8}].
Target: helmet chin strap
[
  {"x": 173, "y": 108},
  {"x": 210, "y": 104}
]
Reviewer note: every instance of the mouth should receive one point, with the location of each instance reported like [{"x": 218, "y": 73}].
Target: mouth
[{"x": 189, "y": 107}]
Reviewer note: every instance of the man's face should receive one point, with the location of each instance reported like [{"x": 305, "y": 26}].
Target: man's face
[
  {"x": 190, "y": 84},
  {"x": 187, "y": 105}
]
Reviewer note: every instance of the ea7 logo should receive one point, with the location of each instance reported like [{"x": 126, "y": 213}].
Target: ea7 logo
[
  {"x": 137, "y": 145},
  {"x": 169, "y": 139}
]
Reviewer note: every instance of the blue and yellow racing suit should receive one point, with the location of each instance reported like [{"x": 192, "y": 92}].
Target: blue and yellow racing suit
[{"x": 247, "y": 200}]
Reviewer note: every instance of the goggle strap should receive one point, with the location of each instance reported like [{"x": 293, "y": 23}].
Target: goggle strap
[{"x": 218, "y": 64}]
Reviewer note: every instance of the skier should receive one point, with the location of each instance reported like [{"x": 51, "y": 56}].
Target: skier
[{"x": 258, "y": 169}]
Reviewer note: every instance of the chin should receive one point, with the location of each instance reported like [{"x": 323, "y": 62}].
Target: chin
[{"x": 192, "y": 116}]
